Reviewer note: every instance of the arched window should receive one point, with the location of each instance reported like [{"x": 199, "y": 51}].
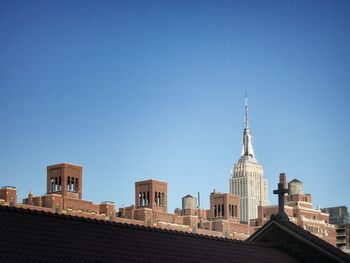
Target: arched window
[
  {"x": 140, "y": 199},
  {"x": 163, "y": 201},
  {"x": 72, "y": 184},
  {"x": 56, "y": 184},
  {"x": 155, "y": 198},
  {"x": 223, "y": 210},
  {"x": 68, "y": 183},
  {"x": 76, "y": 185},
  {"x": 147, "y": 197},
  {"x": 59, "y": 183},
  {"x": 215, "y": 211},
  {"x": 229, "y": 210},
  {"x": 158, "y": 201},
  {"x": 52, "y": 184},
  {"x": 219, "y": 210}
]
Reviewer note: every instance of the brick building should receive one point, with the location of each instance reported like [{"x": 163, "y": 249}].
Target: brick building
[
  {"x": 53, "y": 237},
  {"x": 222, "y": 219},
  {"x": 298, "y": 207},
  {"x": 64, "y": 194}
]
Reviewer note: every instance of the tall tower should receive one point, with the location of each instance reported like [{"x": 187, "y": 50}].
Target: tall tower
[
  {"x": 65, "y": 179},
  {"x": 152, "y": 194},
  {"x": 247, "y": 177}
]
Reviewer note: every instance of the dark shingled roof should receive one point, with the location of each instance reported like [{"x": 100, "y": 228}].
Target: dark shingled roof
[
  {"x": 28, "y": 235},
  {"x": 322, "y": 251}
]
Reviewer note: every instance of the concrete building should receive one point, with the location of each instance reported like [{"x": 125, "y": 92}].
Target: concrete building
[
  {"x": 338, "y": 215},
  {"x": 343, "y": 237},
  {"x": 247, "y": 178},
  {"x": 298, "y": 208}
]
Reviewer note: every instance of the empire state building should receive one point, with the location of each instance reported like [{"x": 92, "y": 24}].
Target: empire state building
[{"x": 247, "y": 178}]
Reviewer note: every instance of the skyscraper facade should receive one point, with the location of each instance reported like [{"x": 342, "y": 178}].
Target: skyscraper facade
[{"x": 247, "y": 178}]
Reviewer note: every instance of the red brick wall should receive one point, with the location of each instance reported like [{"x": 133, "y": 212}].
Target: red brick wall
[
  {"x": 108, "y": 209},
  {"x": 77, "y": 204},
  {"x": 63, "y": 171},
  {"x": 9, "y": 195},
  {"x": 150, "y": 188}
]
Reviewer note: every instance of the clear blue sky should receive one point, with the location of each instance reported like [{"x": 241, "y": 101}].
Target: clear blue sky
[{"x": 134, "y": 90}]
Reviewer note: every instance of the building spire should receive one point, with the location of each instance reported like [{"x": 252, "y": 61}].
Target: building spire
[
  {"x": 247, "y": 136},
  {"x": 246, "y": 111}
]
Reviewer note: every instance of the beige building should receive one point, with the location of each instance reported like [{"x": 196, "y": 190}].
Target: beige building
[
  {"x": 298, "y": 207},
  {"x": 247, "y": 178}
]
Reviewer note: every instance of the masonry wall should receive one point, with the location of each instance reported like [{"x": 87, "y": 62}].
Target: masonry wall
[
  {"x": 310, "y": 219},
  {"x": 9, "y": 194}
]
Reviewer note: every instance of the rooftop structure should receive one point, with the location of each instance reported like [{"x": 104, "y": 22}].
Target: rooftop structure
[
  {"x": 52, "y": 237},
  {"x": 297, "y": 208}
]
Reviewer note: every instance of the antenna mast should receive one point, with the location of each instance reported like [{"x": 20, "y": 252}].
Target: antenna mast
[{"x": 246, "y": 111}]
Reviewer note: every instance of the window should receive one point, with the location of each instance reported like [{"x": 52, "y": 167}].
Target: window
[
  {"x": 52, "y": 184},
  {"x": 56, "y": 184},
  {"x": 59, "y": 183},
  {"x": 72, "y": 184},
  {"x": 140, "y": 199},
  {"x": 76, "y": 185},
  {"x": 68, "y": 183}
]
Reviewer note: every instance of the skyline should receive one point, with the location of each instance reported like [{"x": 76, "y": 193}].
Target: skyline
[{"x": 134, "y": 91}]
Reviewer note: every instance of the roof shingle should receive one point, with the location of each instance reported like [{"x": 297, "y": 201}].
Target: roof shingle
[{"x": 28, "y": 235}]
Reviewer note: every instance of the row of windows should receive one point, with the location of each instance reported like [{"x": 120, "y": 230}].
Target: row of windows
[
  {"x": 239, "y": 173},
  {"x": 72, "y": 184},
  {"x": 219, "y": 210},
  {"x": 232, "y": 210},
  {"x": 244, "y": 187},
  {"x": 239, "y": 187},
  {"x": 144, "y": 199},
  {"x": 315, "y": 229}
]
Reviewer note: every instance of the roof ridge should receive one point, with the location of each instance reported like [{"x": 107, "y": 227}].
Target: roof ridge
[
  {"x": 129, "y": 225},
  {"x": 303, "y": 234}
]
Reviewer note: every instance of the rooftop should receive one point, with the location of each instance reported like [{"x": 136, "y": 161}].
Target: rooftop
[{"x": 57, "y": 237}]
